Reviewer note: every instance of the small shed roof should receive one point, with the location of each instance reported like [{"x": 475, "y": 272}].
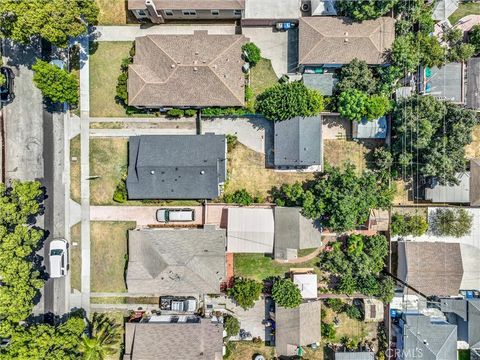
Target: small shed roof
[
  {"x": 307, "y": 283},
  {"x": 250, "y": 230},
  {"x": 375, "y": 129},
  {"x": 323, "y": 7},
  {"x": 444, "y": 8},
  {"x": 451, "y": 193}
]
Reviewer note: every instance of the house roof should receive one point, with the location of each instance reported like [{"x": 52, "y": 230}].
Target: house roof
[
  {"x": 189, "y": 4},
  {"x": 323, "y": 7},
  {"x": 355, "y": 355},
  {"x": 444, "y": 8},
  {"x": 176, "y": 261},
  {"x": 374, "y": 129},
  {"x": 187, "y": 70},
  {"x": 473, "y": 83},
  {"x": 468, "y": 323},
  {"x": 339, "y": 40},
  {"x": 474, "y": 182},
  {"x": 436, "y": 340},
  {"x": 294, "y": 232},
  {"x": 176, "y": 166},
  {"x": 433, "y": 268},
  {"x": 150, "y": 341},
  {"x": 297, "y": 327},
  {"x": 324, "y": 83},
  {"x": 298, "y": 142},
  {"x": 451, "y": 193},
  {"x": 307, "y": 283},
  {"x": 250, "y": 230},
  {"x": 445, "y": 83}
]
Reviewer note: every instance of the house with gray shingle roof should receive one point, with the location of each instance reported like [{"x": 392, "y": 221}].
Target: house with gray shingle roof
[
  {"x": 355, "y": 355},
  {"x": 200, "y": 340},
  {"x": 427, "y": 338},
  {"x": 298, "y": 143},
  {"x": 176, "y": 261},
  {"x": 199, "y": 70},
  {"x": 465, "y": 314},
  {"x": 176, "y": 166},
  {"x": 339, "y": 40},
  {"x": 297, "y": 327},
  {"x": 294, "y": 232}
]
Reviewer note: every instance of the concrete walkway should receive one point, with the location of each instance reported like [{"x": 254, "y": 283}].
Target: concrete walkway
[
  {"x": 302, "y": 259},
  {"x": 130, "y": 32},
  {"x": 135, "y": 132},
  {"x": 164, "y": 119}
]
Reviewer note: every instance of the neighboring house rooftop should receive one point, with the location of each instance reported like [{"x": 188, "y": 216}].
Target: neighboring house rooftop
[
  {"x": 324, "y": 83},
  {"x": 298, "y": 142},
  {"x": 307, "y": 283},
  {"x": 297, "y": 327},
  {"x": 435, "y": 340},
  {"x": 356, "y": 355},
  {"x": 465, "y": 313},
  {"x": 176, "y": 261},
  {"x": 323, "y": 7},
  {"x": 250, "y": 230},
  {"x": 198, "y": 70},
  {"x": 374, "y": 129},
  {"x": 339, "y": 40},
  {"x": 433, "y": 268},
  {"x": 189, "y": 4},
  {"x": 294, "y": 232},
  {"x": 443, "y": 9},
  {"x": 445, "y": 83},
  {"x": 473, "y": 84},
  {"x": 176, "y": 166},
  {"x": 176, "y": 341}
]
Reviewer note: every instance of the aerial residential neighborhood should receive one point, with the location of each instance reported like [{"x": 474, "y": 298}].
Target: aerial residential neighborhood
[{"x": 240, "y": 179}]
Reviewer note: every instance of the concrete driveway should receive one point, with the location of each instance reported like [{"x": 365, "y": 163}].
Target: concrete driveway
[
  {"x": 281, "y": 47},
  {"x": 255, "y": 133},
  {"x": 272, "y": 9}
]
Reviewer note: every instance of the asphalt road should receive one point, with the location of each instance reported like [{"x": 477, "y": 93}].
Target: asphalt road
[{"x": 34, "y": 151}]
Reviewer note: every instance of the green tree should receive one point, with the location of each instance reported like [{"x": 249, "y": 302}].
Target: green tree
[
  {"x": 382, "y": 159},
  {"x": 56, "y": 84},
  {"x": 102, "y": 339},
  {"x": 285, "y": 101},
  {"x": 431, "y": 52},
  {"x": 245, "y": 292},
  {"x": 474, "y": 37},
  {"x": 328, "y": 331},
  {"x": 352, "y": 104},
  {"x": 452, "y": 222},
  {"x": 377, "y": 106},
  {"x": 286, "y": 293},
  {"x": 458, "y": 51},
  {"x": 252, "y": 53},
  {"x": 404, "y": 225},
  {"x": 404, "y": 53},
  {"x": 241, "y": 197},
  {"x": 53, "y": 20},
  {"x": 354, "y": 313},
  {"x": 231, "y": 325},
  {"x": 358, "y": 76},
  {"x": 365, "y": 9}
]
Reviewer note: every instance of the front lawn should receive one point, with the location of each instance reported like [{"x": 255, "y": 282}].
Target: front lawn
[
  {"x": 260, "y": 267},
  {"x": 262, "y": 76},
  {"x": 339, "y": 152},
  {"x": 246, "y": 170},
  {"x": 464, "y": 9},
  {"x": 76, "y": 257},
  {"x": 75, "y": 168},
  {"x": 109, "y": 255},
  {"x": 105, "y": 64}
]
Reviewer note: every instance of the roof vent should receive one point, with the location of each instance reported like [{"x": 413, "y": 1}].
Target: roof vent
[
  {"x": 346, "y": 33},
  {"x": 152, "y": 172},
  {"x": 195, "y": 69},
  {"x": 345, "y": 40},
  {"x": 172, "y": 66},
  {"x": 202, "y": 172},
  {"x": 196, "y": 52}
]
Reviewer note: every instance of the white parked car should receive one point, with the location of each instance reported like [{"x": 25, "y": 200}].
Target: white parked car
[{"x": 58, "y": 258}]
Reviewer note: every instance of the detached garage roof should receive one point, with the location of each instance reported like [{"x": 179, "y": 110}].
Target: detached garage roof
[{"x": 250, "y": 230}]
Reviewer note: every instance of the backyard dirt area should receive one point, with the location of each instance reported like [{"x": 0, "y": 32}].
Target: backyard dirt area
[
  {"x": 464, "y": 9},
  {"x": 260, "y": 267},
  {"x": 262, "y": 77},
  {"x": 246, "y": 170},
  {"x": 472, "y": 151},
  {"x": 75, "y": 168},
  {"x": 245, "y": 350},
  {"x": 339, "y": 152},
  {"x": 114, "y": 12},
  {"x": 76, "y": 257},
  {"x": 109, "y": 255},
  {"x": 105, "y": 63}
]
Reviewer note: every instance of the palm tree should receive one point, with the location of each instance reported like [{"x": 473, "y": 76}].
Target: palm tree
[{"x": 104, "y": 335}]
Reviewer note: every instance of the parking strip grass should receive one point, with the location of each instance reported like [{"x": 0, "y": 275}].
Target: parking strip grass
[
  {"x": 75, "y": 161},
  {"x": 76, "y": 257},
  {"x": 125, "y": 300},
  {"x": 109, "y": 248},
  {"x": 105, "y": 64}
]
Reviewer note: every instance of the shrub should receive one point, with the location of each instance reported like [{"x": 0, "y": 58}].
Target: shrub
[
  {"x": 245, "y": 292},
  {"x": 328, "y": 331},
  {"x": 286, "y": 293},
  {"x": 190, "y": 112},
  {"x": 175, "y": 113},
  {"x": 231, "y": 142},
  {"x": 404, "y": 225},
  {"x": 231, "y": 325},
  {"x": 353, "y": 312},
  {"x": 252, "y": 53},
  {"x": 452, "y": 222},
  {"x": 336, "y": 305},
  {"x": 122, "y": 91},
  {"x": 248, "y": 93},
  {"x": 382, "y": 159},
  {"x": 226, "y": 111},
  {"x": 241, "y": 197},
  {"x": 120, "y": 194}
]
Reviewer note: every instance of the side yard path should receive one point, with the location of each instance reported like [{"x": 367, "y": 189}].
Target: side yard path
[{"x": 302, "y": 259}]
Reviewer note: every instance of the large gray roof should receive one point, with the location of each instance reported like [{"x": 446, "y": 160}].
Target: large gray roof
[
  {"x": 435, "y": 340},
  {"x": 176, "y": 166},
  {"x": 445, "y": 82},
  {"x": 297, "y": 327},
  {"x": 298, "y": 142},
  {"x": 176, "y": 262},
  {"x": 473, "y": 83},
  {"x": 467, "y": 320},
  {"x": 294, "y": 232},
  {"x": 175, "y": 341}
]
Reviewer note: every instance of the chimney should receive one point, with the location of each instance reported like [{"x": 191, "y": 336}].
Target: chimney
[{"x": 152, "y": 11}]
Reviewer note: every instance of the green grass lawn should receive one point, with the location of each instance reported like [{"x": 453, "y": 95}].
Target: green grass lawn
[
  {"x": 76, "y": 257},
  {"x": 105, "y": 64},
  {"x": 108, "y": 255},
  {"x": 354, "y": 329},
  {"x": 262, "y": 77},
  {"x": 260, "y": 267},
  {"x": 464, "y": 9}
]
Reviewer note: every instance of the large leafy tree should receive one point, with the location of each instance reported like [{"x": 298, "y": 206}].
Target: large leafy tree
[
  {"x": 474, "y": 38},
  {"x": 286, "y": 293},
  {"x": 285, "y": 101},
  {"x": 245, "y": 292},
  {"x": 53, "y": 20},
  {"x": 404, "y": 225},
  {"x": 430, "y": 136},
  {"x": 102, "y": 339},
  {"x": 56, "y": 84},
  {"x": 352, "y": 104},
  {"x": 458, "y": 51},
  {"x": 365, "y": 9},
  {"x": 340, "y": 200},
  {"x": 451, "y": 222},
  {"x": 405, "y": 53},
  {"x": 356, "y": 75}
]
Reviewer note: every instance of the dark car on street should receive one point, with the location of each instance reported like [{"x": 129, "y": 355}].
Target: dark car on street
[{"x": 6, "y": 90}]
